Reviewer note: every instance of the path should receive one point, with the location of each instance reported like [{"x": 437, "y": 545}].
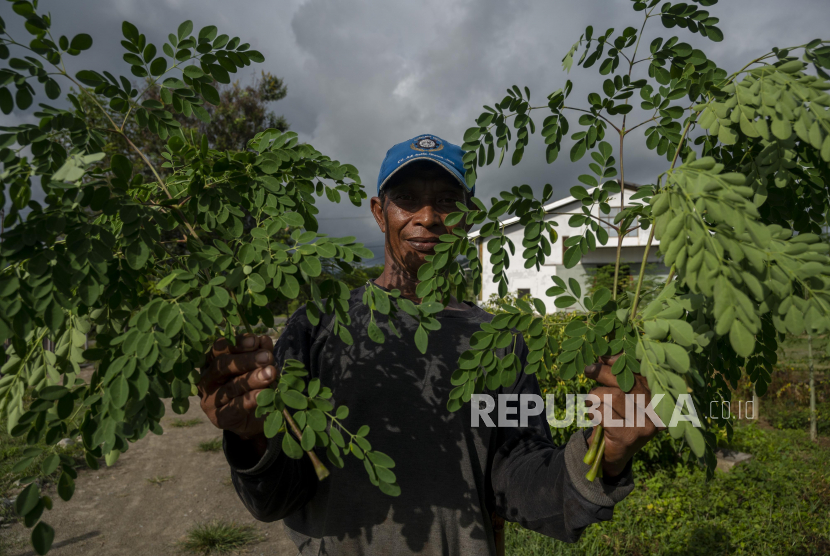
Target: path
[{"x": 116, "y": 512}]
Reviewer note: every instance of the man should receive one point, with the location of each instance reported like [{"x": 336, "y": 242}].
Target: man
[{"x": 452, "y": 476}]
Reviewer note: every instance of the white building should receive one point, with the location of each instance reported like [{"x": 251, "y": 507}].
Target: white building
[{"x": 533, "y": 282}]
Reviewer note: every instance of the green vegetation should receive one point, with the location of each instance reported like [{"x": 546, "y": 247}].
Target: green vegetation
[
  {"x": 219, "y": 537},
  {"x": 776, "y": 503},
  {"x": 159, "y": 479},
  {"x": 184, "y": 424},
  {"x": 214, "y": 445},
  {"x": 603, "y": 277},
  {"x": 159, "y": 266},
  {"x": 12, "y": 454}
]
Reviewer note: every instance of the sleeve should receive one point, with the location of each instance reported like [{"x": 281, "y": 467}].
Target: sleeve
[
  {"x": 542, "y": 486},
  {"x": 274, "y": 486}
]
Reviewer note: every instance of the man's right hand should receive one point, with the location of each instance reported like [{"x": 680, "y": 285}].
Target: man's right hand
[{"x": 232, "y": 378}]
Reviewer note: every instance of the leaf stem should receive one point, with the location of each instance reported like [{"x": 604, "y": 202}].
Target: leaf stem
[
  {"x": 653, "y": 226},
  {"x": 319, "y": 468},
  {"x": 591, "y": 454},
  {"x": 597, "y": 465}
]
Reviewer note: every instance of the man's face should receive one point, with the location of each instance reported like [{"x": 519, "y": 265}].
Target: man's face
[{"x": 413, "y": 216}]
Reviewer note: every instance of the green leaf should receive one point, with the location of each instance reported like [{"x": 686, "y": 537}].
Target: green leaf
[
  {"x": 193, "y": 72},
  {"x": 389, "y": 490},
  {"x": 572, "y": 256},
  {"x": 266, "y": 397},
  {"x": 273, "y": 424},
  {"x": 185, "y": 29},
  {"x": 219, "y": 73},
  {"x": 311, "y": 266},
  {"x": 6, "y": 101},
  {"x": 42, "y": 537},
  {"x": 90, "y": 78},
  {"x": 50, "y": 464},
  {"x": 27, "y": 500},
  {"x": 575, "y": 288},
  {"x": 695, "y": 439},
  {"x": 291, "y": 287},
  {"x": 308, "y": 439},
  {"x": 137, "y": 254},
  {"x": 66, "y": 486},
  {"x": 742, "y": 340},
  {"x": 129, "y": 31},
  {"x": 81, "y": 42},
  {"x": 579, "y": 192},
  {"x": 375, "y": 333},
  {"x": 121, "y": 167},
  {"x": 564, "y": 301},
  {"x": 677, "y": 357},
  {"x": 290, "y": 447},
  {"x": 716, "y": 35},
  {"x": 681, "y": 332},
  {"x": 575, "y": 328},
  {"x": 625, "y": 380},
  {"x": 159, "y": 66},
  {"x": 421, "y": 339},
  {"x": 381, "y": 459},
  {"x": 52, "y": 89},
  {"x": 294, "y": 399}
]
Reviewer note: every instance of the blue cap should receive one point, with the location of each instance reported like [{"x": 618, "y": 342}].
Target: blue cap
[{"x": 424, "y": 147}]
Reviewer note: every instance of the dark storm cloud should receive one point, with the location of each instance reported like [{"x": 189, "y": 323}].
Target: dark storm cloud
[{"x": 364, "y": 75}]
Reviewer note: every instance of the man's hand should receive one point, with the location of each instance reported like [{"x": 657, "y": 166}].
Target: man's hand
[
  {"x": 621, "y": 443},
  {"x": 231, "y": 379}
]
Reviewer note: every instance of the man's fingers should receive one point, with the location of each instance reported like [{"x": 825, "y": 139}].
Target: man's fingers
[
  {"x": 265, "y": 342},
  {"x": 239, "y": 416},
  {"x": 244, "y": 343},
  {"x": 256, "y": 380},
  {"x": 602, "y": 374},
  {"x": 226, "y": 366}
]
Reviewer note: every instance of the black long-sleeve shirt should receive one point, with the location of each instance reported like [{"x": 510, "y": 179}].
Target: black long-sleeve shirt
[{"x": 451, "y": 475}]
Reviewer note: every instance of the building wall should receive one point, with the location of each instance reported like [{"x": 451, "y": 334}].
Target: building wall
[{"x": 537, "y": 282}]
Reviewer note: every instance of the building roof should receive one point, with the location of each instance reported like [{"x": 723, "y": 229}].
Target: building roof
[{"x": 548, "y": 208}]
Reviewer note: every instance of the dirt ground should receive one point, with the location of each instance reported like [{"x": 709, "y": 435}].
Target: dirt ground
[{"x": 116, "y": 512}]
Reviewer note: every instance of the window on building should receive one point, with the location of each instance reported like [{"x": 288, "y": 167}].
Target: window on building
[
  {"x": 524, "y": 292},
  {"x": 607, "y": 221}
]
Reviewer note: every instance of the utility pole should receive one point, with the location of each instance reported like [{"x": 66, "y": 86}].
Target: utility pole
[{"x": 813, "y": 430}]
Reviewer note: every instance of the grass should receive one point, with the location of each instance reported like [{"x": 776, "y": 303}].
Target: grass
[
  {"x": 11, "y": 450},
  {"x": 214, "y": 445},
  {"x": 159, "y": 479},
  {"x": 219, "y": 537},
  {"x": 776, "y": 503},
  {"x": 184, "y": 424}
]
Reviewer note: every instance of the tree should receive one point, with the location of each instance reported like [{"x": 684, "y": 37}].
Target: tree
[
  {"x": 92, "y": 256},
  {"x": 746, "y": 264},
  {"x": 243, "y": 110}
]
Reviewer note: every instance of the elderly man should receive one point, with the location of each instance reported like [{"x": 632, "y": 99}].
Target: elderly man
[{"x": 453, "y": 477}]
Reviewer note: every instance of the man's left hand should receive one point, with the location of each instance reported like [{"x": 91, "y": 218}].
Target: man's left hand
[{"x": 621, "y": 443}]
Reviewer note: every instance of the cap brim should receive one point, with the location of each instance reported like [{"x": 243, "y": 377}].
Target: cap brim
[{"x": 458, "y": 177}]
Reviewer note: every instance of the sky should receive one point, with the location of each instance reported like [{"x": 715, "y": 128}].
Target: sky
[{"x": 364, "y": 75}]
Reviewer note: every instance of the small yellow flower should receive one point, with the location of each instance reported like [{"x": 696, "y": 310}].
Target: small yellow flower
[{"x": 650, "y": 506}]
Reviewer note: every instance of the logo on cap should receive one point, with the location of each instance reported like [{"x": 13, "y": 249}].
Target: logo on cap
[{"x": 428, "y": 143}]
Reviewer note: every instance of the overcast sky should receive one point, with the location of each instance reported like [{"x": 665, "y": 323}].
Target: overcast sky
[{"x": 364, "y": 75}]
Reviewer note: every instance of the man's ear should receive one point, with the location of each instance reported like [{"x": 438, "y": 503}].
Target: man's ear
[{"x": 376, "y": 206}]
